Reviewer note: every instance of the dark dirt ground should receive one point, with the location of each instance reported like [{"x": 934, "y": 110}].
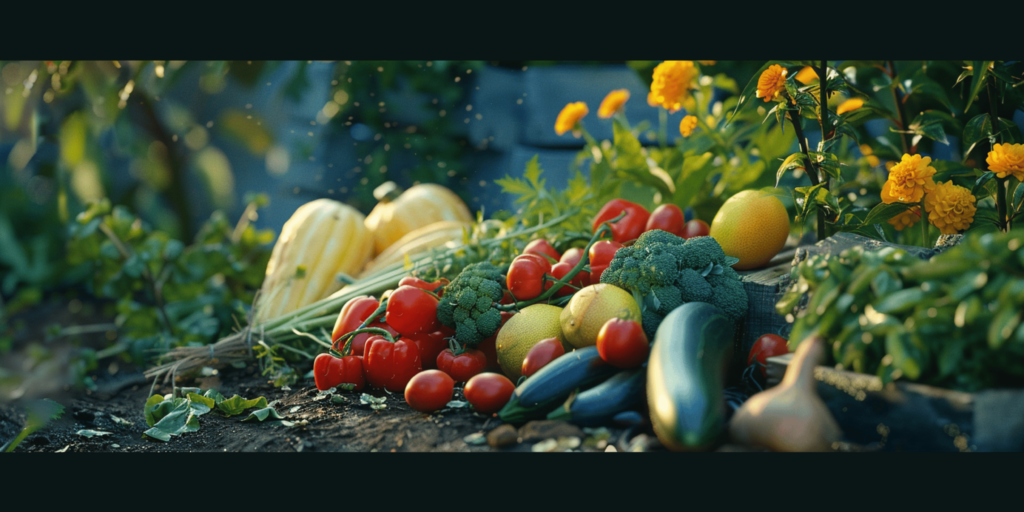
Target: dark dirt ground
[{"x": 35, "y": 368}]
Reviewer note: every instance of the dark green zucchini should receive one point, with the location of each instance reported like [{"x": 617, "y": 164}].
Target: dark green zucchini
[
  {"x": 599, "y": 404},
  {"x": 551, "y": 385},
  {"x": 686, "y": 374}
]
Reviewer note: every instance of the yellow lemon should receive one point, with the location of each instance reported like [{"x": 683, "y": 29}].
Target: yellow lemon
[
  {"x": 591, "y": 307},
  {"x": 524, "y": 330},
  {"x": 752, "y": 226}
]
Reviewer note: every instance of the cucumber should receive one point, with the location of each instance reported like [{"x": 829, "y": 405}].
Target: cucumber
[
  {"x": 600, "y": 404},
  {"x": 686, "y": 375},
  {"x": 551, "y": 385}
]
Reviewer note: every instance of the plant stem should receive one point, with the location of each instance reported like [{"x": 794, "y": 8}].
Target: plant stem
[
  {"x": 809, "y": 169},
  {"x": 1001, "y": 189},
  {"x": 823, "y": 121},
  {"x": 897, "y": 97},
  {"x": 662, "y": 128}
]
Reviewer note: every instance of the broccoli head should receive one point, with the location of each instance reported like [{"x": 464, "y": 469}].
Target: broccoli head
[
  {"x": 730, "y": 297},
  {"x": 650, "y": 322},
  {"x": 699, "y": 252},
  {"x": 692, "y": 286},
  {"x": 468, "y": 303}
]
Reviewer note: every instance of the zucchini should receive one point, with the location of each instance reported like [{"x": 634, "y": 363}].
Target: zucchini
[
  {"x": 551, "y": 385},
  {"x": 600, "y": 404},
  {"x": 686, "y": 374}
]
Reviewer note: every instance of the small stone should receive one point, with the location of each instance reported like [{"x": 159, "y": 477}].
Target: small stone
[
  {"x": 502, "y": 436},
  {"x": 546, "y": 429}
]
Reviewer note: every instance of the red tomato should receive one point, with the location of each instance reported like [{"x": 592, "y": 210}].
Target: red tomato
[
  {"x": 488, "y": 348},
  {"x": 488, "y": 392},
  {"x": 430, "y": 344},
  {"x": 541, "y": 354},
  {"x": 541, "y": 260},
  {"x": 411, "y": 310},
  {"x": 330, "y": 371},
  {"x": 572, "y": 256},
  {"x": 769, "y": 345},
  {"x": 696, "y": 227},
  {"x": 629, "y": 227},
  {"x": 390, "y": 365},
  {"x": 425, "y": 285},
  {"x": 601, "y": 254},
  {"x": 525, "y": 279},
  {"x": 429, "y": 390},
  {"x": 622, "y": 343},
  {"x": 541, "y": 246},
  {"x": 352, "y": 315},
  {"x": 559, "y": 270},
  {"x": 667, "y": 217},
  {"x": 464, "y": 366}
]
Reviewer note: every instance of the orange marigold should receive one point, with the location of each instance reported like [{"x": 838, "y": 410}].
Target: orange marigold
[
  {"x": 772, "y": 82},
  {"x": 849, "y": 105},
  {"x": 673, "y": 80},
  {"x": 570, "y": 116},
  {"x": 906, "y": 219},
  {"x": 950, "y": 208},
  {"x": 1007, "y": 160},
  {"x": 612, "y": 103},
  {"x": 688, "y": 124},
  {"x": 909, "y": 180}
]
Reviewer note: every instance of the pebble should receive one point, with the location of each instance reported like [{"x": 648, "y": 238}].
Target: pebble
[
  {"x": 502, "y": 436},
  {"x": 547, "y": 429}
]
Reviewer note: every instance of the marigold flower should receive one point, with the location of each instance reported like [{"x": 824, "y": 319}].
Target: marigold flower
[
  {"x": 906, "y": 219},
  {"x": 1007, "y": 160},
  {"x": 612, "y": 103},
  {"x": 807, "y": 75},
  {"x": 688, "y": 124},
  {"x": 707, "y": 62},
  {"x": 849, "y": 105},
  {"x": 950, "y": 208},
  {"x": 772, "y": 82},
  {"x": 570, "y": 116},
  {"x": 909, "y": 180},
  {"x": 673, "y": 80}
]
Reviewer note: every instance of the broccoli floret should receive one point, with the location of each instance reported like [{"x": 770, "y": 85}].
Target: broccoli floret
[
  {"x": 468, "y": 303},
  {"x": 659, "y": 269},
  {"x": 728, "y": 274},
  {"x": 669, "y": 298},
  {"x": 699, "y": 252},
  {"x": 651, "y": 238},
  {"x": 650, "y": 322},
  {"x": 730, "y": 297},
  {"x": 692, "y": 286}
]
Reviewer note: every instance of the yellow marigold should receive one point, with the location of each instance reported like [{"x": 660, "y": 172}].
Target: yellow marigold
[
  {"x": 570, "y": 116},
  {"x": 1007, "y": 160},
  {"x": 612, "y": 103},
  {"x": 909, "y": 180},
  {"x": 807, "y": 75},
  {"x": 906, "y": 219},
  {"x": 673, "y": 80},
  {"x": 687, "y": 126},
  {"x": 950, "y": 208},
  {"x": 772, "y": 82},
  {"x": 849, "y": 105}
]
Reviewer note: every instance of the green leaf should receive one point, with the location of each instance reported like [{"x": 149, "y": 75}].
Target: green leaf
[
  {"x": 1018, "y": 198},
  {"x": 982, "y": 183},
  {"x": 155, "y": 410},
  {"x": 844, "y": 65},
  {"x": 628, "y": 152},
  {"x": 883, "y": 212},
  {"x": 201, "y": 402},
  {"x": 977, "y": 80},
  {"x": 181, "y": 419},
  {"x": 977, "y": 129},
  {"x": 215, "y": 395},
  {"x": 695, "y": 173},
  {"x": 929, "y": 124},
  {"x": 40, "y": 413},
  {"x": 92, "y": 433},
  {"x": 921, "y": 84},
  {"x": 262, "y": 414},
  {"x": 899, "y": 301},
  {"x": 796, "y": 160},
  {"x": 1003, "y": 325},
  {"x": 237, "y": 405}
]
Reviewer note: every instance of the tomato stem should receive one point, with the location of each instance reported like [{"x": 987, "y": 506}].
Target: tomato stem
[{"x": 350, "y": 336}]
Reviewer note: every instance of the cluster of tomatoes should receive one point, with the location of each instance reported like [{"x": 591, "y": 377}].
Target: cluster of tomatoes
[{"x": 409, "y": 351}]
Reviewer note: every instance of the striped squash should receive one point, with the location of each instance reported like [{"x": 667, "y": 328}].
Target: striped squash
[
  {"x": 321, "y": 239},
  {"x": 399, "y": 213},
  {"x": 445, "y": 233}
]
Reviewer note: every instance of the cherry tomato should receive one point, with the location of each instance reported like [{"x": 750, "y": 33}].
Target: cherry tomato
[
  {"x": 488, "y": 346},
  {"x": 601, "y": 254},
  {"x": 667, "y": 217},
  {"x": 629, "y": 227},
  {"x": 541, "y": 246},
  {"x": 330, "y": 371},
  {"x": 352, "y": 315},
  {"x": 390, "y": 365},
  {"x": 622, "y": 343},
  {"x": 572, "y": 256},
  {"x": 429, "y": 390},
  {"x": 769, "y": 345},
  {"x": 558, "y": 271},
  {"x": 464, "y": 366},
  {"x": 525, "y": 279},
  {"x": 695, "y": 227},
  {"x": 541, "y": 354},
  {"x": 488, "y": 392},
  {"x": 425, "y": 285},
  {"x": 540, "y": 259},
  {"x": 411, "y": 310},
  {"x": 430, "y": 344}
]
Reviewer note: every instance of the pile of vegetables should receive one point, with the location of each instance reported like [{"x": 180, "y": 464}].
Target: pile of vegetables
[{"x": 953, "y": 321}]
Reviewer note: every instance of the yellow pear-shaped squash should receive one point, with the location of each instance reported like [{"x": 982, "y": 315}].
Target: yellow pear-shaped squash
[
  {"x": 399, "y": 213},
  {"x": 445, "y": 233},
  {"x": 321, "y": 239}
]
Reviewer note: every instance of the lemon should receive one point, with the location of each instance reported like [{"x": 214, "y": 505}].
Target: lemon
[
  {"x": 524, "y": 330},
  {"x": 752, "y": 226},
  {"x": 591, "y": 307}
]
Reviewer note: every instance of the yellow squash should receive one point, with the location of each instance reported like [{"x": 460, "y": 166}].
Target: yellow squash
[
  {"x": 399, "y": 213},
  {"x": 320, "y": 240},
  {"x": 445, "y": 233}
]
